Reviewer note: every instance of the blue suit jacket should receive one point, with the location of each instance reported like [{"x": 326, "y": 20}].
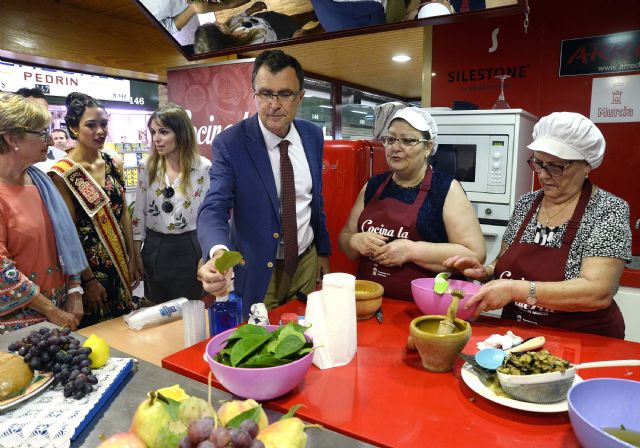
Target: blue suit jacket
[{"x": 241, "y": 209}]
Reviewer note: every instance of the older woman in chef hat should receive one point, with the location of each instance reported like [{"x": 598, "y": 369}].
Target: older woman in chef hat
[
  {"x": 566, "y": 244},
  {"x": 407, "y": 221}
]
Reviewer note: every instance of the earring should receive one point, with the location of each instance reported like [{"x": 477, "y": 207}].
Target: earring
[{"x": 16, "y": 148}]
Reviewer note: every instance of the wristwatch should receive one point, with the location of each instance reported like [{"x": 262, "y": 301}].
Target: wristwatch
[
  {"x": 532, "y": 299},
  {"x": 76, "y": 289}
]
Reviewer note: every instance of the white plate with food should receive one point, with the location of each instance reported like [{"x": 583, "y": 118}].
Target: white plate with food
[
  {"x": 41, "y": 381},
  {"x": 471, "y": 379}
]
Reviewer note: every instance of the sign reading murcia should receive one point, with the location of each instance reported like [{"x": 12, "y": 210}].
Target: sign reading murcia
[
  {"x": 615, "y": 99},
  {"x": 216, "y": 96},
  {"x": 609, "y": 53}
]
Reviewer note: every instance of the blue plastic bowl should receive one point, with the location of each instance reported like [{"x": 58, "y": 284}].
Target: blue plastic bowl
[{"x": 600, "y": 403}]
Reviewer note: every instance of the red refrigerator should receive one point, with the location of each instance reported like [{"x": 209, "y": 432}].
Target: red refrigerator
[{"x": 346, "y": 167}]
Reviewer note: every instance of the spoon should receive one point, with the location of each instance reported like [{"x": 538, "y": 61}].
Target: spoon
[{"x": 492, "y": 358}]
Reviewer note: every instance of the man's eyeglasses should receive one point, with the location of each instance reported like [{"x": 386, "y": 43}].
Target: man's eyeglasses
[
  {"x": 552, "y": 169},
  {"x": 405, "y": 143},
  {"x": 167, "y": 194},
  {"x": 44, "y": 134},
  {"x": 283, "y": 96}
]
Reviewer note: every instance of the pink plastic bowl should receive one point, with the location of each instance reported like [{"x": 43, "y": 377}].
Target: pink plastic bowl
[
  {"x": 262, "y": 383},
  {"x": 431, "y": 303}
]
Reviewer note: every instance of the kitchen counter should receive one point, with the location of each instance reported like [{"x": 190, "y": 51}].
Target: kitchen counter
[
  {"x": 385, "y": 397},
  {"x": 151, "y": 344}
]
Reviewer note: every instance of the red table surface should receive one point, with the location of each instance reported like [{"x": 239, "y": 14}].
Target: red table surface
[{"x": 385, "y": 397}]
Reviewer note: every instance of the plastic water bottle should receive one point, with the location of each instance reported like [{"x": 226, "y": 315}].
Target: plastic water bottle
[{"x": 225, "y": 313}]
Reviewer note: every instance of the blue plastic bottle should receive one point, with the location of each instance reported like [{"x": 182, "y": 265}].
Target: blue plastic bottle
[{"x": 225, "y": 314}]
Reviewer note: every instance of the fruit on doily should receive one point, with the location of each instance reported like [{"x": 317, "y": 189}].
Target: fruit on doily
[
  {"x": 230, "y": 409},
  {"x": 99, "y": 351},
  {"x": 150, "y": 417},
  {"x": 123, "y": 440},
  {"x": 15, "y": 374}
]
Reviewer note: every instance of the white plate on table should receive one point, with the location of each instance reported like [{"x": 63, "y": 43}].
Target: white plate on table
[
  {"x": 470, "y": 377},
  {"x": 40, "y": 382}
]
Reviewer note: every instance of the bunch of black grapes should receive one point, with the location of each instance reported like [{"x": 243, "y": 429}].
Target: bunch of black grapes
[
  {"x": 55, "y": 350},
  {"x": 202, "y": 434}
]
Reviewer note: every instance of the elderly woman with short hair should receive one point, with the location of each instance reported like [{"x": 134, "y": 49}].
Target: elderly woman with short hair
[
  {"x": 40, "y": 253},
  {"x": 566, "y": 244},
  {"x": 407, "y": 221}
]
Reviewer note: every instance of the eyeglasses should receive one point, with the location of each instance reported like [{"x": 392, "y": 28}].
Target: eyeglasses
[
  {"x": 44, "y": 134},
  {"x": 552, "y": 169},
  {"x": 167, "y": 194},
  {"x": 405, "y": 143},
  {"x": 283, "y": 96}
]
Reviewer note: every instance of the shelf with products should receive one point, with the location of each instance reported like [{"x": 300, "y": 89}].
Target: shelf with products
[{"x": 132, "y": 155}]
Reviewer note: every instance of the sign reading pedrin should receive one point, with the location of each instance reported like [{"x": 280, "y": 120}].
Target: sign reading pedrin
[
  {"x": 609, "y": 53},
  {"x": 615, "y": 99}
]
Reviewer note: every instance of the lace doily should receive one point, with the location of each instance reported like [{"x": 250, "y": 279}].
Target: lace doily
[{"x": 50, "y": 419}]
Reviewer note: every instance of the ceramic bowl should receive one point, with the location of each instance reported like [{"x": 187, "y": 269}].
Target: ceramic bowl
[
  {"x": 368, "y": 298},
  {"x": 604, "y": 403},
  {"x": 438, "y": 351},
  {"x": 261, "y": 383},
  {"x": 550, "y": 387},
  {"x": 431, "y": 302}
]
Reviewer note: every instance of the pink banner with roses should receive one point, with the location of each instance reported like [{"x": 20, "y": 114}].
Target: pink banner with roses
[{"x": 215, "y": 96}]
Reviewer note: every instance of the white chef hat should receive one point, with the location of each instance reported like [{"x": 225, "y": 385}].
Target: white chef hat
[
  {"x": 570, "y": 136},
  {"x": 421, "y": 120}
]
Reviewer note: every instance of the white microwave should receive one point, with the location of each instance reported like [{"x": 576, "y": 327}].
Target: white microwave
[{"x": 485, "y": 150}]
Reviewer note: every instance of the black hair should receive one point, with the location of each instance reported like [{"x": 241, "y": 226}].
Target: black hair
[
  {"x": 209, "y": 37},
  {"x": 26, "y": 92},
  {"x": 276, "y": 61},
  {"x": 77, "y": 103}
]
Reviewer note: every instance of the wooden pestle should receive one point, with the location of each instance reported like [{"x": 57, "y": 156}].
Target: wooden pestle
[{"x": 447, "y": 324}]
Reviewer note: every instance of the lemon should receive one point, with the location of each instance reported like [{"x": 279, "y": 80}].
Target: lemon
[
  {"x": 99, "y": 350},
  {"x": 174, "y": 392}
]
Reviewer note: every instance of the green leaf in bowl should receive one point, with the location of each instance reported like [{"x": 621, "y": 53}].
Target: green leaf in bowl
[{"x": 246, "y": 346}]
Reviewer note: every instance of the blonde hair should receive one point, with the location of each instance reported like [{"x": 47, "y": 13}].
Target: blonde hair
[
  {"x": 175, "y": 118},
  {"x": 18, "y": 115}
]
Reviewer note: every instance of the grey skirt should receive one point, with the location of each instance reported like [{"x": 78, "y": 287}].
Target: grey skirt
[{"x": 170, "y": 266}]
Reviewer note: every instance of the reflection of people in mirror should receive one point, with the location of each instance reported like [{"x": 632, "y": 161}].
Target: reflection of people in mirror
[
  {"x": 175, "y": 15},
  {"x": 338, "y": 15},
  {"x": 435, "y": 8},
  {"x": 254, "y": 26}
]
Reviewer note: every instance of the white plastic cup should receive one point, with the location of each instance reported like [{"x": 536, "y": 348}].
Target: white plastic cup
[{"x": 195, "y": 329}]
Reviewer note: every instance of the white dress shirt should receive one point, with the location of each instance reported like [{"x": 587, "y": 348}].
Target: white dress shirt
[
  {"x": 148, "y": 211},
  {"x": 302, "y": 176},
  {"x": 53, "y": 155}
]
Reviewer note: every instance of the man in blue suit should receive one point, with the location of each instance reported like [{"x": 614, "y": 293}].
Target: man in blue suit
[{"x": 255, "y": 202}]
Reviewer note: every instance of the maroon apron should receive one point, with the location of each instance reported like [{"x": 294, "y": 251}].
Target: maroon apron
[
  {"x": 528, "y": 261},
  {"x": 395, "y": 219}
]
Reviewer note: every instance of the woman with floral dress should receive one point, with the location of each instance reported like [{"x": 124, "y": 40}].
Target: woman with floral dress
[
  {"x": 93, "y": 189},
  {"x": 172, "y": 184}
]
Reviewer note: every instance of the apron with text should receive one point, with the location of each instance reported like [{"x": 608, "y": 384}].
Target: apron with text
[
  {"x": 391, "y": 215},
  {"x": 533, "y": 262}
]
